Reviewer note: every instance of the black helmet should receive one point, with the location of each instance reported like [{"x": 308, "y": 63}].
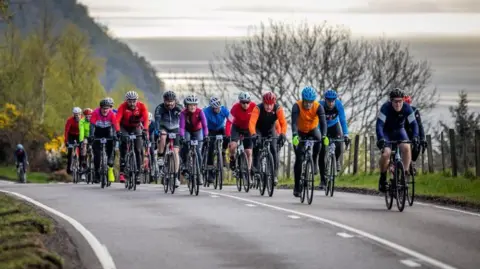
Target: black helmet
[
  {"x": 105, "y": 102},
  {"x": 169, "y": 96},
  {"x": 397, "y": 93}
]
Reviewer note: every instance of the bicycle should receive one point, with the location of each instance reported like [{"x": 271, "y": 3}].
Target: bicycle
[
  {"x": 331, "y": 168},
  {"x": 90, "y": 165},
  {"x": 103, "y": 169},
  {"x": 217, "y": 159},
  {"x": 307, "y": 176},
  {"x": 131, "y": 168},
  {"x": 153, "y": 161},
  {"x": 264, "y": 177},
  {"x": 146, "y": 168},
  {"x": 168, "y": 172},
  {"x": 193, "y": 166},
  {"x": 396, "y": 186},
  {"x": 74, "y": 164},
  {"x": 21, "y": 175},
  {"x": 241, "y": 173}
]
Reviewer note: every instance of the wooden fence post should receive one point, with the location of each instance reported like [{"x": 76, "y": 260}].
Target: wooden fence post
[
  {"x": 442, "y": 141},
  {"x": 453, "y": 152},
  {"x": 372, "y": 154},
  {"x": 355, "y": 154},
  {"x": 365, "y": 140},
  {"x": 289, "y": 161},
  {"x": 430, "y": 154},
  {"x": 477, "y": 152}
]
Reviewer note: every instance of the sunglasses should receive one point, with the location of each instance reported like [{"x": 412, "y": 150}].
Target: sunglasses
[
  {"x": 330, "y": 100},
  {"x": 245, "y": 103}
]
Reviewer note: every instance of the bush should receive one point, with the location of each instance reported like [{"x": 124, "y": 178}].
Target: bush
[{"x": 60, "y": 176}]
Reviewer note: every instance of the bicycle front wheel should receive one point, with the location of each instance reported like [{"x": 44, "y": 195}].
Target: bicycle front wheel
[
  {"x": 310, "y": 181},
  {"x": 331, "y": 181},
  {"x": 270, "y": 174},
  {"x": 410, "y": 184},
  {"x": 171, "y": 173},
  {"x": 219, "y": 170},
  {"x": 244, "y": 172},
  {"x": 401, "y": 186}
]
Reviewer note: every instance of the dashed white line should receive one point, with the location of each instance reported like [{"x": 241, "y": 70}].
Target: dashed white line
[
  {"x": 100, "y": 250},
  {"x": 410, "y": 263},
  {"x": 250, "y": 205},
  {"x": 364, "y": 234},
  {"x": 345, "y": 235},
  {"x": 293, "y": 216},
  {"x": 214, "y": 196}
]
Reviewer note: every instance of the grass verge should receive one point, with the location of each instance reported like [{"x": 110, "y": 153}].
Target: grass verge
[
  {"x": 10, "y": 173},
  {"x": 21, "y": 231}
]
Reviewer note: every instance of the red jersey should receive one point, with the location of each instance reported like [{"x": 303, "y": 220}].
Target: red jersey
[
  {"x": 239, "y": 117},
  {"x": 71, "y": 129},
  {"x": 132, "y": 118}
]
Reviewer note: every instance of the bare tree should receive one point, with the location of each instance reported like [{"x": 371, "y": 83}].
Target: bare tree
[{"x": 285, "y": 58}]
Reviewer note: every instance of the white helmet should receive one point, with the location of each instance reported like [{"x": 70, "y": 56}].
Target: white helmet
[
  {"x": 215, "y": 102},
  {"x": 244, "y": 97},
  {"x": 76, "y": 110},
  {"x": 150, "y": 116},
  {"x": 131, "y": 95},
  {"x": 191, "y": 99}
]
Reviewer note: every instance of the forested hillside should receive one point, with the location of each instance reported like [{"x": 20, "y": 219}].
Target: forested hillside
[{"x": 120, "y": 60}]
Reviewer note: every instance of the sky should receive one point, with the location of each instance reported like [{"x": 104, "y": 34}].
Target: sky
[{"x": 219, "y": 18}]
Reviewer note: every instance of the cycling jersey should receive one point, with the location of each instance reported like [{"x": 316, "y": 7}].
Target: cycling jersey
[
  {"x": 84, "y": 127},
  {"x": 278, "y": 128},
  {"x": 409, "y": 129},
  {"x": 166, "y": 118},
  {"x": 264, "y": 121},
  {"x": 305, "y": 121},
  {"x": 101, "y": 126},
  {"x": 239, "y": 117},
  {"x": 390, "y": 121},
  {"x": 151, "y": 127},
  {"x": 335, "y": 115},
  {"x": 192, "y": 122},
  {"x": 20, "y": 156},
  {"x": 216, "y": 121},
  {"x": 132, "y": 118},
  {"x": 71, "y": 129}
]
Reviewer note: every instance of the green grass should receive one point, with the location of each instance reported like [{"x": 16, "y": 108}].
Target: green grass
[
  {"x": 21, "y": 230},
  {"x": 10, "y": 173}
]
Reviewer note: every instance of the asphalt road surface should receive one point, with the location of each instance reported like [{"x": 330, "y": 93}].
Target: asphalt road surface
[{"x": 147, "y": 228}]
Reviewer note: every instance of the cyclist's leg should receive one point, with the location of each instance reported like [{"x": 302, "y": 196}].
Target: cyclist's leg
[
  {"x": 96, "y": 159},
  {"x": 274, "y": 151},
  {"x": 162, "y": 143},
  {"x": 211, "y": 145},
  {"x": 383, "y": 164},
  {"x": 184, "y": 150},
  {"x": 297, "y": 167},
  {"x": 248, "y": 144},
  {"x": 110, "y": 148},
  {"x": 256, "y": 154},
  {"x": 235, "y": 135},
  {"x": 176, "y": 149},
  {"x": 70, "y": 140},
  {"x": 224, "y": 146},
  {"x": 317, "y": 135},
  {"x": 405, "y": 149}
]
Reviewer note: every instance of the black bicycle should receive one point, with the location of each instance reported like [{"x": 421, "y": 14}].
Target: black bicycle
[
  {"x": 217, "y": 168},
  {"x": 167, "y": 170},
  {"x": 331, "y": 169},
  {"x": 103, "y": 169},
  {"x": 90, "y": 165},
  {"x": 74, "y": 165},
  {"x": 193, "y": 166},
  {"x": 264, "y": 177},
  {"x": 241, "y": 173},
  {"x": 307, "y": 176},
  {"x": 131, "y": 169},
  {"x": 396, "y": 187}
]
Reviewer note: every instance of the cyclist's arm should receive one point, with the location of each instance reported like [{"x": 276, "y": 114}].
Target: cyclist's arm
[
  {"x": 119, "y": 116},
  {"x": 322, "y": 119},
  {"x": 228, "y": 128},
  {"x": 116, "y": 126},
  {"x": 204, "y": 123},
  {"x": 181, "y": 129},
  {"x": 381, "y": 119},
  {"x": 295, "y": 114},
  {"x": 282, "y": 121},
  {"x": 93, "y": 122},
  {"x": 252, "y": 123},
  {"x": 342, "y": 116},
  {"x": 411, "y": 119},
  {"x": 420, "y": 125},
  {"x": 144, "y": 112},
  {"x": 81, "y": 130},
  {"x": 67, "y": 129}
]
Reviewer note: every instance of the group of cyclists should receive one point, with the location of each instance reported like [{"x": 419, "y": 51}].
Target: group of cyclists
[{"x": 310, "y": 119}]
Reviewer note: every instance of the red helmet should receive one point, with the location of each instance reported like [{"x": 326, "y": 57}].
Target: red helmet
[
  {"x": 269, "y": 98},
  {"x": 407, "y": 99},
  {"x": 87, "y": 111}
]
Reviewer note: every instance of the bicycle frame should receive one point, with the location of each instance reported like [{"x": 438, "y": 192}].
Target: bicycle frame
[{"x": 103, "y": 169}]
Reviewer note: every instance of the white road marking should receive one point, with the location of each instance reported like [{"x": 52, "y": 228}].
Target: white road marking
[
  {"x": 100, "y": 250},
  {"x": 293, "y": 216},
  {"x": 250, "y": 205},
  {"x": 410, "y": 263},
  {"x": 345, "y": 235},
  {"x": 214, "y": 196},
  {"x": 375, "y": 238}
]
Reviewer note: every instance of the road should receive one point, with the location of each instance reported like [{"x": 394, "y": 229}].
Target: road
[{"x": 147, "y": 228}]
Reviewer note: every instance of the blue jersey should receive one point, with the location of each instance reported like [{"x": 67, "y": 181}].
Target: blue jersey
[
  {"x": 151, "y": 127},
  {"x": 216, "y": 121},
  {"x": 390, "y": 121},
  {"x": 336, "y": 114}
]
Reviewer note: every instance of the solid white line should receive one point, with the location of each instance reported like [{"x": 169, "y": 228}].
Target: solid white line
[
  {"x": 293, "y": 216},
  {"x": 450, "y": 209},
  {"x": 410, "y": 263},
  {"x": 250, "y": 205},
  {"x": 100, "y": 250},
  {"x": 214, "y": 196},
  {"x": 345, "y": 235},
  {"x": 375, "y": 238}
]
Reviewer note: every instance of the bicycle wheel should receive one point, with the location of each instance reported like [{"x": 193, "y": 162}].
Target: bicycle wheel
[
  {"x": 261, "y": 177},
  {"x": 133, "y": 168},
  {"x": 303, "y": 180},
  {"x": 238, "y": 176},
  {"x": 103, "y": 178},
  {"x": 328, "y": 170},
  {"x": 333, "y": 170},
  {"x": 196, "y": 171},
  {"x": 411, "y": 187},
  {"x": 400, "y": 187},
  {"x": 204, "y": 167},
  {"x": 310, "y": 181},
  {"x": 171, "y": 173},
  {"x": 245, "y": 174},
  {"x": 91, "y": 169},
  {"x": 389, "y": 194},
  {"x": 74, "y": 169},
  {"x": 270, "y": 174}
]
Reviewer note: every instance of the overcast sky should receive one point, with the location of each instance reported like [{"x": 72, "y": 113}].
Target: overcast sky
[{"x": 152, "y": 18}]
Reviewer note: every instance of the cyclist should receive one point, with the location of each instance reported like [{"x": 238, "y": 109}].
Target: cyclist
[
  {"x": 152, "y": 133},
  {"x": 216, "y": 115},
  {"x": 263, "y": 124},
  {"x": 237, "y": 124},
  {"x": 103, "y": 124},
  {"x": 72, "y": 133},
  {"x": 167, "y": 120},
  {"x": 423, "y": 143},
  {"x": 21, "y": 156},
  {"x": 84, "y": 128},
  {"x": 307, "y": 114},
  {"x": 336, "y": 128},
  {"x": 192, "y": 123},
  {"x": 132, "y": 117},
  {"x": 391, "y": 126}
]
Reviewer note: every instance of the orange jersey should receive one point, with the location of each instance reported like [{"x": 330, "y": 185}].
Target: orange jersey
[{"x": 264, "y": 121}]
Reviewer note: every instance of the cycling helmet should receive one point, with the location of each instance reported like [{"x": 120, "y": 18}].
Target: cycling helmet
[
  {"x": 215, "y": 102},
  {"x": 330, "y": 94},
  {"x": 407, "y": 99},
  {"x": 131, "y": 95},
  {"x": 76, "y": 110},
  {"x": 105, "y": 103},
  {"x": 396, "y": 93},
  {"x": 244, "y": 97},
  {"x": 87, "y": 111},
  {"x": 169, "y": 96},
  {"x": 110, "y": 100},
  {"x": 191, "y": 99},
  {"x": 309, "y": 94},
  {"x": 20, "y": 147},
  {"x": 150, "y": 116},
  {"x": 269, "y": 98}
]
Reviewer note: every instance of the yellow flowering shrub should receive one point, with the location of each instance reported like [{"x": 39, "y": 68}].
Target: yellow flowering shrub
[{"x": 8, "y": 114}]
